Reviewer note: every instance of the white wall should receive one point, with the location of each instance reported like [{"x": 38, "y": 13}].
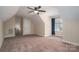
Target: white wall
[
  {"x": 47, "y": 22},
  {"x": 70, "y": 17},
  {"x": 69, "y": 12},
  {"x": 27, "y": 28},
  {"x": 9, "y": 24},
  {"x": 39, "y": 26},
  {"x": 1, "y": 33},
  {"x": 71, "y": 31}
]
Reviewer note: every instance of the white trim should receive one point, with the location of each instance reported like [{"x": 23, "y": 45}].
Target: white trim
[
  {"x": 71, "y": 42},
  {"x": 40, "y": 35},
  {"x": 9, "y": 36}
]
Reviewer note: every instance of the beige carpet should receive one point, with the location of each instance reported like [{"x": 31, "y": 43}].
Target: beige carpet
[{"x": 37, "y": 44}]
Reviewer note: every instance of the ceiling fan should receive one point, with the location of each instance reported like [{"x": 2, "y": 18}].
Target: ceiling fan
[{"x": 36, "y": 10}]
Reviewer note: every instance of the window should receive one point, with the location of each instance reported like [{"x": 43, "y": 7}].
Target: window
[{"x": 58, "y": 25}]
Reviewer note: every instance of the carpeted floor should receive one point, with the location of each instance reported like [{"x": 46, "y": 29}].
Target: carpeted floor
[{"x": 37, "y": 44}]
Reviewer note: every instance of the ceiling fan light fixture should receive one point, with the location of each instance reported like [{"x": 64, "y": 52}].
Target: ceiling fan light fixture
[{"x": 36, "y": 12}]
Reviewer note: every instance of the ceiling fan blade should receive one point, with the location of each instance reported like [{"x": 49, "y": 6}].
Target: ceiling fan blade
[
  {"x": 30, "y": 12},
  {"x": 36, "y": 8},
  {"x": 41, "y": 10},
  {"x": 39, "y": 7},
  {"x": 30, "y": 8}
]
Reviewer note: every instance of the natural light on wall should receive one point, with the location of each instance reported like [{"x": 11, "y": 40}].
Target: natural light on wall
[{"x": 59, "y": 26}]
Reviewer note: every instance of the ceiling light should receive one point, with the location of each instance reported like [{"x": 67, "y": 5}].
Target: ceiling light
[{"x": 36, "y": 12}]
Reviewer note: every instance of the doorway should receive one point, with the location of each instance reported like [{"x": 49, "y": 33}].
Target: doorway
[
  {"x": 53, "y": 26},
  {"x": 18, "y": 26}
]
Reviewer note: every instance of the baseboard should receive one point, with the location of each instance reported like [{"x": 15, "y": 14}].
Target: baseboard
[
  {"x": 27, "y": 34},
  {"x": 39, "y": 35},
  {"x": 9, "y": 36},
  {"x": 76, "y": 44}
]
